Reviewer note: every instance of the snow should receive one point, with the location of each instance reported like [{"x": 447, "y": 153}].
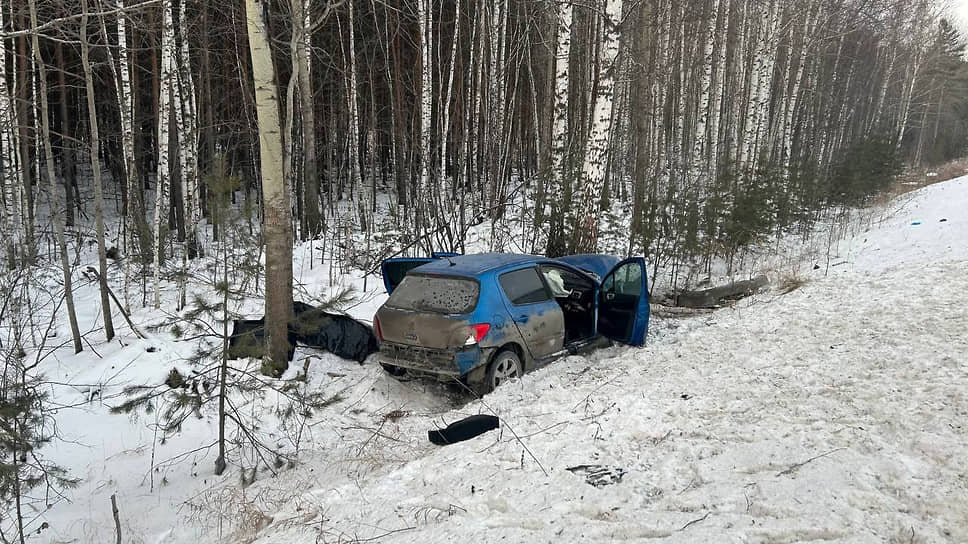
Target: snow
[{"x": 833, "y": 412}]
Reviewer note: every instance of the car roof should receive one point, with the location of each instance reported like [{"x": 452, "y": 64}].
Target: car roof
[{"x": 472, "y": 265}]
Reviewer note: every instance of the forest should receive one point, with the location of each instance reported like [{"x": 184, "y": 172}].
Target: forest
[
  {"x": 704, "y": 124},
  {"x": 181, "y": 137},
  {"x": 684, "y": 130}
]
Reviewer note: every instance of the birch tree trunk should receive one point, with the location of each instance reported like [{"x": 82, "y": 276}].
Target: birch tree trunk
[
  {"x": 911, "y": 79},
  {"x": 188, "y": 140},
  {"x": 96, "y": 172},
  {"x": 56, "y": 211},
  {"x": 794, "y": 99},
  {"x": 313, "y": 223},
  {"x": 496, "y": 103},
  {"x": 707, "y": 99},
  {"x": 586, "y": 202},
  {"x": 276, "y": 198},
  {"x": 136, "y": 205},
  {"x": 163, "y": 181},
  {"x": 10, "y": 178},
  {"x": 560, "y": 157},
  {"x": 25, "y": 198},
  {"x": 426, "y": 186},
  {"x": 719, "y": 81},
  {"x": 352, "y": 94},
  {"x": 445, "y": 105},
  {"x": 885, "y": 83}
]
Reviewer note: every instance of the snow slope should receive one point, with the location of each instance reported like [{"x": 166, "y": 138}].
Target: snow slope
[{"x": 833, "y": 412}]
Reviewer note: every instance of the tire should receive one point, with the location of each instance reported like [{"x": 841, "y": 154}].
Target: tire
[
  {"x": 393, "y": 370},
  {"x": 505, "y": 366}
]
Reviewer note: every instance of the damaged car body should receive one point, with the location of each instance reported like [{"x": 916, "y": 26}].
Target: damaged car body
[{"x": 484, "y": 319}]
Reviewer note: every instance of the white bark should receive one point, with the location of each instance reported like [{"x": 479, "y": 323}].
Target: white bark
[
  {"x": 10, "y": 177},
  {"x": 719, "y": 83},
  {"x": 425, "y": 14},
  {"x": 188, "y": 139},
  {"x": 707, "y": 99},
  {"x": 762, "y": 74},
  {"x": 497, "y": 30},
  {"x": 911, "y": 78},
  {"x": 920, "y": 21},
  {"x": 597, "y": 146},
  {"x": 301, "y": 66},
  {"x": 163, "y": 175},
  {"x": 352, "y": 99},
  {"x": 276, "y": 196},
  {"x": 125, "y": 93},
  {"x": 825, "y": 147},
  {"x": 445, "y": 106},
  {"x": 474, "y": 114},
  {"x": 794, "y": 99},
  {"x": 560, "y": 132}
]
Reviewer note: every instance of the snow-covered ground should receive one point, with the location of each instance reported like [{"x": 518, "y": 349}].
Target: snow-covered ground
[{"x": 836, "y": 411}]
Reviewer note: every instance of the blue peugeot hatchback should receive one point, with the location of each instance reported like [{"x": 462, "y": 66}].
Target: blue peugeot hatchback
[{"x": 484, "y": 319}]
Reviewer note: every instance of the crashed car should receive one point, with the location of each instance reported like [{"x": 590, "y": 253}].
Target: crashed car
[{"x": 488, "y": 318}]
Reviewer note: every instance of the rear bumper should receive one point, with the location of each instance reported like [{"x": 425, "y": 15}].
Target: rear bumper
[{"x": 444, "y": 363}]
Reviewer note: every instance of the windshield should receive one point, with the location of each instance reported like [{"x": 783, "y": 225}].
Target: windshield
[{"x": 438, "y": 294}]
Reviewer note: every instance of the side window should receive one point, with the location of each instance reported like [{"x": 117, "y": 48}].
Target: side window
[
  {"x": 523, "y": 287},
  {"x": 627, "y": 280}
]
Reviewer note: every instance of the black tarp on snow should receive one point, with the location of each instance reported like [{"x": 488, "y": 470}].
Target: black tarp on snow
[
  {"x": 336, "y": 333},
  {"x": 312, "y": 327}
]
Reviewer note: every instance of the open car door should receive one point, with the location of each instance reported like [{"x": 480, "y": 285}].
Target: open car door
[
  {"x": 395, "y": 269},
  {"x": 623, "y": 304}
]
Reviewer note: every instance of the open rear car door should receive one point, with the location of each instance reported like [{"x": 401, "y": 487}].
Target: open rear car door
[
  {"x": 623, "y": 304},
  {"x": 395, "y": 269}
]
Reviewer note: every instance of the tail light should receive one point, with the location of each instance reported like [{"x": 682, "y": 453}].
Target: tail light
[
  {"x": 377, "y": 328},
  {"x": 478, "y": 331}
]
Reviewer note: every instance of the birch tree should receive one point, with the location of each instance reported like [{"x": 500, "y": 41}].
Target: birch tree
[
  {"x": 587, "y": 197},
  {"x": 426, "y": 184},
  {"x": 275, "y": 194},
  {"x": 188, "y": 139},
  {"x": 10, "y": 179},
  {"x": 163, "y": 178},
  {"x": 560, "y": 134},
  {"x": 312, "y": 222},
  {"x": 352, "y": 103},
  {"x": 135, "y": 212}
]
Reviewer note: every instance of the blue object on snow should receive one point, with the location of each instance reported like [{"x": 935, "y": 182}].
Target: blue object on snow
[{"x": 916, "y": 223}]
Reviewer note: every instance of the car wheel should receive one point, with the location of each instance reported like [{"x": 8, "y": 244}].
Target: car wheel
[
  {"x": 393, "y": 370},
  {"x": 505, "y": 366}
]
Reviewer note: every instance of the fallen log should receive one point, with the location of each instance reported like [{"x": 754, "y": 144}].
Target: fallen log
[{"x": 713, "y": 297}]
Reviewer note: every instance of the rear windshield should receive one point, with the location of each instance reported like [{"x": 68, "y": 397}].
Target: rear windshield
[{"x": 438, "y": 294}]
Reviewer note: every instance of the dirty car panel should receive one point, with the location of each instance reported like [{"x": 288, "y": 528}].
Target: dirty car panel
[{"x": 536, "y": 314}]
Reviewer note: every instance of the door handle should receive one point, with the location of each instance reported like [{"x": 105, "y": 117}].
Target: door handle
[{"x": 521, "y": 319}]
